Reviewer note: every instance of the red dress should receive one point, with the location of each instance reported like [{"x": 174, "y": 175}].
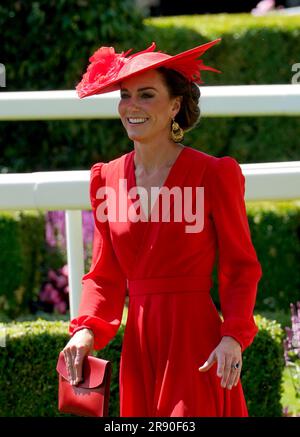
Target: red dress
[{"x": 173, "y": 324}]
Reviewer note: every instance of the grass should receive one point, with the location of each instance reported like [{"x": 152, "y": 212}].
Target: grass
[{"x": 226, "y": 23}]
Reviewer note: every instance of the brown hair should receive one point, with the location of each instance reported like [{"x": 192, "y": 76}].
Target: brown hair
[{"x": 189, "y": 113}]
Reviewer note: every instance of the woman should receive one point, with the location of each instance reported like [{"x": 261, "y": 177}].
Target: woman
[{"x": 178, "y": 357}]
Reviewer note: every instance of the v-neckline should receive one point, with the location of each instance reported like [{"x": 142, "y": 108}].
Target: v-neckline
[{"x": 165, "y": 183}]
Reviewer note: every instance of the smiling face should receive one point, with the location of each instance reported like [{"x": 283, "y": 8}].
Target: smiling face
[{"x": 146, "y": 108}]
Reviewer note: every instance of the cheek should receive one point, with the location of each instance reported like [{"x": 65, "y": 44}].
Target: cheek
[
  {"x": 121, "y": 109},
  {"x": 162, "y": 108}
]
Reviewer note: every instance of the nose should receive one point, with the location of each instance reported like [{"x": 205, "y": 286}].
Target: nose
[
  {"x": 132, "y": 104},
  {"x": 130, "y": 107}
]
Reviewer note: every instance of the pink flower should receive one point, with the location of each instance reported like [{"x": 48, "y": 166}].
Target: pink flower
[
  {"x": 46, "y": 293},
  {"x": 54, "y": 293},
  {"x": 55, "y": 296},
  {"x": 52, "y": 276},
  {"x": 61, "y": 307},
  {"x": 64, "y": 270},
  {"x": 263, "y": 7},
  {"x": 61, "y": 281}
]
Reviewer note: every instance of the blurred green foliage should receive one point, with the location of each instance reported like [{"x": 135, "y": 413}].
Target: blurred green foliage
[{"x": 275, "y": 234}]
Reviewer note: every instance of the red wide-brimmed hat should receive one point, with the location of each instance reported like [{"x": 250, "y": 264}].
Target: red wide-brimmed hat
[{"x": 107, "y": 68}]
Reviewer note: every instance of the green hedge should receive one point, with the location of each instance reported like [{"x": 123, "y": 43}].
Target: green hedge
[
  {"x": 32, "y": 349},
  {"x": 30, "y": 356},
  {"x": 254, "y": 50},
  {"x": 263, "y": 365},
  {"x": 21, "y": 255},
  {"x": 275, "y": 230},
  {"x": 275, "y": 233}
]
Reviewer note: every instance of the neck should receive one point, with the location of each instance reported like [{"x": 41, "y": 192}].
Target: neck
[{"x": 154, "y": 156}]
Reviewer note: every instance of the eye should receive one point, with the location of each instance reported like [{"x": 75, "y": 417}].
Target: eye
[
  {"x": 124, "y": 96},
  {"x": 147, "y": 96}
]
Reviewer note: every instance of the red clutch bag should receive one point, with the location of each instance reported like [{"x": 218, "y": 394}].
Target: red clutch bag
[{"x": 90, "y": 397}]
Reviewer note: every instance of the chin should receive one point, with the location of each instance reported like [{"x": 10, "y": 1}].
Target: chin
[{"x": 135, "y": 137}]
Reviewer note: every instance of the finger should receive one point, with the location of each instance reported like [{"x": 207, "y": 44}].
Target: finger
[
  {"x": 69, "y": 364},
  {"x": 209, "y": 363},
  {"x": 236, "y": 379},
  {"x": 226, "y": 373},
  {"x": 238, "y": 374},
  {"x": 78, "y": 362},
  {"x": 234, "y": 374},
  {"x": 221, "y": 366},
  {"x": 232, "y": 377}
]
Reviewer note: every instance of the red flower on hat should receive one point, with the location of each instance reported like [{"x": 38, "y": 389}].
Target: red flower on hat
[{"x": 105, "y": 66}]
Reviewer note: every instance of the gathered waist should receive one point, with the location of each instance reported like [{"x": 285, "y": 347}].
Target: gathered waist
[{"x": 174, "y": 284}]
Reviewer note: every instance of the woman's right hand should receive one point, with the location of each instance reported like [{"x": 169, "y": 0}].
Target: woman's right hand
[{"x": 80, "y": 345}]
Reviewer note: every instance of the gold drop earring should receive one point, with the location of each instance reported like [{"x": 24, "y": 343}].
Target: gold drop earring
[{"x": 177, "y": 133}]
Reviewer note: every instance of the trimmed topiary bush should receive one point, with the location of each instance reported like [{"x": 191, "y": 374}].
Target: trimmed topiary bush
[{"x": 263, "y": 365}]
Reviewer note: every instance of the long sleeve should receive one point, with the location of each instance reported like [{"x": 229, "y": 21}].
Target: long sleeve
[
  {"x": 104, "y": 286},
  {"x": 239, "y": 270}
]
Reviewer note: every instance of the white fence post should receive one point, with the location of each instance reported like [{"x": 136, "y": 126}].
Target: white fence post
[{"x": 75, "y": 258}]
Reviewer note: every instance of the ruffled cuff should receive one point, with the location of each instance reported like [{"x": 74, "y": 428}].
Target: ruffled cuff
[
  {"x": 102, "y": 330},
  {"x": 241, "y": 330}
]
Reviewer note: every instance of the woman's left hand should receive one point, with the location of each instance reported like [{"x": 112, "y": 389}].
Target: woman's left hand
[{"x": 226, "y": 354}]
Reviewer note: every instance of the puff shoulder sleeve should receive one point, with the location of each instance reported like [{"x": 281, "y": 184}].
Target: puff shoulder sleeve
[
  {"x": 239, "y": 270},
  {"x": 104, "y": 286}
]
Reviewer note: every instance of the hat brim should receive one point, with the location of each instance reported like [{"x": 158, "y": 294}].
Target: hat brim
[{"x": 169, "y": 62}]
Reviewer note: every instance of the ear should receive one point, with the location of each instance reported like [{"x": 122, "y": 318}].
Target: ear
[{"x": 176, "y": 105}]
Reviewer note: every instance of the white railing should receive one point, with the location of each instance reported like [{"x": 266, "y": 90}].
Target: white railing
[
  {"x": 69, "y": 190},
  {"x": 217, "y": 101}
]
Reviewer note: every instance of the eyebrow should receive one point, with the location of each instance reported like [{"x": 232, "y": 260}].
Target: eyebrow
[{"x": 141, "y": 89}]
